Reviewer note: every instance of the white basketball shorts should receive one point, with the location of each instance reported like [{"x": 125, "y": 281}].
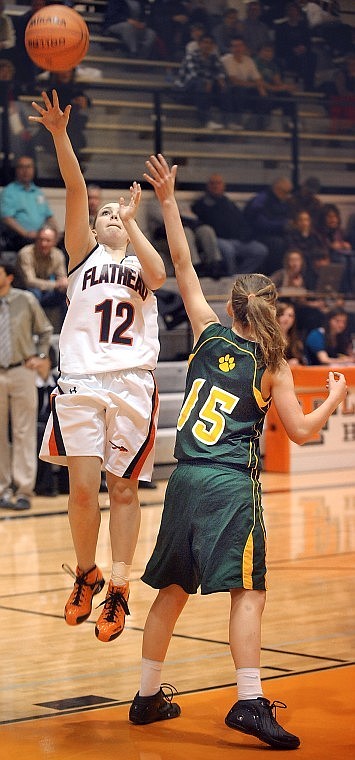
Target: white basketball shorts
[{"x": 112, "y": 415}]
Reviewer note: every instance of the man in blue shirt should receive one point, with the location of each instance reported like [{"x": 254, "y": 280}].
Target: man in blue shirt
[{"x": 23, "y": 207}]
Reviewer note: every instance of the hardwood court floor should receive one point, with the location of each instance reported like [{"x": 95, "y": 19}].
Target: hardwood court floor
[{"x": 65, "y": 695}]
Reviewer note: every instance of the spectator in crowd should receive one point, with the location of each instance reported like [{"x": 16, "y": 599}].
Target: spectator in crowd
[
  {"x": 240, "y": 252},
  {"x": 26, "y": 70},
  {"x": 324, "y": 19},
  {"x": 202, "y": 239},
  {"x": 330, "y": 344},
  {"x": 292, "y": 274},
  {"x": 278, "y": 91},
  {"x": 70, "y": 92},
  {"x": 196, "y": 32},
  {"x": 229, "y": 28},
  {"x": 254, "y": 31},
  {"x": 23, "y": 206},
  {"x": 199, "y": 13},
  {"x": 127, "y": 20},
  {"x": 342, "y": 97},
  {"x": 20, "y": 138},
  {"x": 170, "y": 19},
  {"x": 44, "y": 272},
  {"x": 331, "y": 232},
  {"x": 201, "y": 81},
  {"x": 302, "y": 236},
  {"x": 268, "y": 215},
  {"x": 24, "y": 346},
  {"x": 94, "y": 200},
  {"x": 246, "y": 87},
  {"x": 306, "y": 198},
  {"x": 7, "y": 34},
  {"x": 293, "y": 46},
  {"x": 286, "y": 317},
  {"x": 294, "y": 282}
]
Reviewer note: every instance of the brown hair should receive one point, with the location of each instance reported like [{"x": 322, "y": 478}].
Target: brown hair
[{"x": 253, "y": 301}]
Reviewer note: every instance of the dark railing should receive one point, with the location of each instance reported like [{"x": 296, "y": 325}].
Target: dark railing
[{"x": 163, "y": 97}]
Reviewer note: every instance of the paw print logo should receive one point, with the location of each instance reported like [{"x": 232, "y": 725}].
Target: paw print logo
[{"x": 226, "y": 363}]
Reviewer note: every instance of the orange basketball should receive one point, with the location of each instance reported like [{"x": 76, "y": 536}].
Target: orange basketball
[{"x": 56, "y": 38}]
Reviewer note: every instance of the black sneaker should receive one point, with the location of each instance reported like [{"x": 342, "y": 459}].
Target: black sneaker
[
  {"x": 158, "y": 707},
  {"x": 257, "y": 717}
]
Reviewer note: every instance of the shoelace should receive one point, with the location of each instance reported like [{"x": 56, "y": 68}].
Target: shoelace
[
  {"x": 273, "y": 707},
  {"x": 172, "y": 691},
  {"x": 80, "y": 582},
  {"x": 112, "y": 602}
]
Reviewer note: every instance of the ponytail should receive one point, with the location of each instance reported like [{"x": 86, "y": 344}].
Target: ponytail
[{"x": 253, "y": 302}]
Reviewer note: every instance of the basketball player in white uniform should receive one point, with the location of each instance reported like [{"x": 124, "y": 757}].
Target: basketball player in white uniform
[{"x": 104, "y": 410}]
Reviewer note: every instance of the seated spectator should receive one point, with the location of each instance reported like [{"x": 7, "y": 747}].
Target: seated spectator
[
  {"x": 170, "y": 19},
  {"x": 268, "y": 215},
  {"x": 331, "y": 344},
  {"x": 331, "y": 232},
  {"x": 240, "y": 252},
  {"x": 278, "y": 91},
  {"x": 7, "y": 34},
  {"x": 342, "y": 97},
  {"x": 293, "y": 46},
  {"x": 201, "y": 81},
  {"x": 292, "y": 274},
  {"x": 199, "y": 14},
  {"x": 127, "y": 20},
  {"x": 229, "y": 28},
  {"x": 246, "y": 87},
  {"x": 196, "y": 32},
  {"x": 203, "y": 244},
  {"x": 324, "y": 19},
  {"x": 71, "y": 93},
  {"x": 286, "y": 317},
  {"x": 44, "y": 271},
  {"x": 254, "y": 31},
  {"x": 94, "y": 200},
  {"x": 26, "y": 70},
  {"x": 306, "y": 198},
  {"x": 302, "y": 236},
  {"x": 20, "y": 135},
  {"x": 23, "y": 207}
]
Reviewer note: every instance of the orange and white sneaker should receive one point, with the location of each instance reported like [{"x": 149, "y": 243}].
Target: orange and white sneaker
[
  {"x": 112, "y": 619},
  {"x": 79, "y": 604}
]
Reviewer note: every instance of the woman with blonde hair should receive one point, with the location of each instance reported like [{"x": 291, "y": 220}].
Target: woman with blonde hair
[{"x": 212, "y": 532}]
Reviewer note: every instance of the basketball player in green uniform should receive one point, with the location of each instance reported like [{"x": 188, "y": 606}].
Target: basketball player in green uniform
[{"x": 212, "y": 531}]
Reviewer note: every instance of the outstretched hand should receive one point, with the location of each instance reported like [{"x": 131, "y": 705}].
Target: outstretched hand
[
  {"x": 128, "y": 212},
  {"x": 161, "y": 177},
  {"x": 51, "y": 115}
]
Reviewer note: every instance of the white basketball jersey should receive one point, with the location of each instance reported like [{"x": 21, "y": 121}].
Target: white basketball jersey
[{"x": 112, "y": 318}]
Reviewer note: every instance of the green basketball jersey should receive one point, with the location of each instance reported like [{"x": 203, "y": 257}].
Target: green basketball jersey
[{"x": 223, "y": 412}]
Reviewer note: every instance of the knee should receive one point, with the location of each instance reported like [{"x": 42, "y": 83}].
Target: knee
[
  {"x": 123, "y": 492},
  {"x": 83, "y": 495}
]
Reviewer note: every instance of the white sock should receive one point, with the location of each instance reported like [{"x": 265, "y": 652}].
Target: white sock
[
  {"x": 249, "y": 683},
  {"x": 150, "y": 677},
  {"x": 120, "y": 573}
]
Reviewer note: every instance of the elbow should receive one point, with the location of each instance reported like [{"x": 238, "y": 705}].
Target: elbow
[
  {"x": 158, "y": 280},
  {"x": 299, "y": 437}
]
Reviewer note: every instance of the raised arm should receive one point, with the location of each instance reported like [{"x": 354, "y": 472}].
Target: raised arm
[
  {"x": 79, "y": 238},
  {"x": 162, "y": 179},
  {"x": 153, "y": 269}
]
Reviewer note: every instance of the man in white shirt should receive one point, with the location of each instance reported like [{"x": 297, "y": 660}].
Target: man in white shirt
[{"x": 246, "y": 86}]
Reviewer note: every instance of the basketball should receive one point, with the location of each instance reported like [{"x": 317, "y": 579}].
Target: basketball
[{"x": 56, "y": 38}]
